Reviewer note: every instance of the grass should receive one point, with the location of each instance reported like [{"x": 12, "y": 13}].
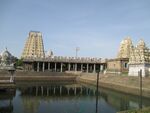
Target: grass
[{"x": 144, "y": 110}]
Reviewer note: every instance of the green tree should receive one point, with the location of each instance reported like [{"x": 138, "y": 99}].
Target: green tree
[{"x": 19, "y": 62}]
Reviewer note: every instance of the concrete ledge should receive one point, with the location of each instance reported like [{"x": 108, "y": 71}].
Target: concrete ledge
[{"x": 46, "y": 78}]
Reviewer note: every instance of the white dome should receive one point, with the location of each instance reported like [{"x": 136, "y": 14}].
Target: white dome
[
  {"x": 6, "y": 55},
  {"x": 49, "y": 53},
  {"x": 126, "y": 41}
]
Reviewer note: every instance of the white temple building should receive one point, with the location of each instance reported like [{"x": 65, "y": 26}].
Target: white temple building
[
  {"x": 6, "y": 60},
  {"x": 139, "y": 60}
]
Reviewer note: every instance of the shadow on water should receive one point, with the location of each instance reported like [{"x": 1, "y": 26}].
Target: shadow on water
[{"x": 66, "y": 98}]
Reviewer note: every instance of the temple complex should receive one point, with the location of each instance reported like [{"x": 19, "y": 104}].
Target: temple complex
[
  {"x": 139, "y": 60},
  {"x": 34, "y": 47},
  {"x": 35, "y": 59},
  {"x": 129, "y": 59}
]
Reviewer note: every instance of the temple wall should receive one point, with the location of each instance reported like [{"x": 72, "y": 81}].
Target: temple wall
[
  {"x": 135, "y": 68},
  {"x": 117, "y": 66},
  {"x": 114, "y": 65}
]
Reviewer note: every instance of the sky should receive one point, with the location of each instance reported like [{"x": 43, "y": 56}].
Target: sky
[{"x": 95, "y": 26}]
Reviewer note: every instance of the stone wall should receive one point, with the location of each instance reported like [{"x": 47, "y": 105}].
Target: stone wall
[{"x": 117, "y": 66}]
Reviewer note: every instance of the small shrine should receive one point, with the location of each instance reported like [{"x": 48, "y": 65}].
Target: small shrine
[{"x": 139, "y": 60}]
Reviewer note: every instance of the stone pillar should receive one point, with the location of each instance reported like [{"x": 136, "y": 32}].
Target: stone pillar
[
  {"x": 42, "y": 90},
  {"x": 38, "y": 66},
  {"x": 32, "y": 67},
  {"x": 69, "y": 67},
  {"x": 55, "y": 67},
  {"x": 54, "y": 91},
  {"x": 101, "y": 68},
  {"x": 43, "y": 66},
  {"x": 81, "y": 67},
  {"x": 87, "y": 68},
  {"x": 87, "y": 91},
  {"x": 94, "y": 68},
  {"x": 49, "y": 65},
  {"x": 61, "y": 67},
  {"x": 60, "y": 90},
  {"x": 75, "y": 67},
  {"x": 47, "y": 91},
  {"x": 68, "y": 90},
  {"x": 36, "y": 90},
  {"x": 81, "y": 90},
  {"x": 94, "y": 92},
  {"x": 75, "y": 91}
]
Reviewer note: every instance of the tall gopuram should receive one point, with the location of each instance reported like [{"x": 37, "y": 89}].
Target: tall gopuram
[
  {"x": 34, "y": 47},
  {"x": 125, "y": 48},
  {"x": 139, "y": 60}
]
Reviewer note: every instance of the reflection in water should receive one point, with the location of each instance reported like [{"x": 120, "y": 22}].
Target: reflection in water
[
  {"x": 97, "y": 92},
  {"x": 6, "y": 101},
  {"x": 67, "y": 98},
  {"x": 121, "y": 101}
]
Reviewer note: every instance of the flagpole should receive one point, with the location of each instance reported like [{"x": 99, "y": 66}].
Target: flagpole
[{"x": 77, "y": 49}]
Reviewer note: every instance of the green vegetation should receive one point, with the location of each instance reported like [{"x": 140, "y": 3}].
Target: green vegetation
[
  {"x": 144, "y": 110},
  {"x": 19, "y": 62},
  {"x": 124, "y": 73}
]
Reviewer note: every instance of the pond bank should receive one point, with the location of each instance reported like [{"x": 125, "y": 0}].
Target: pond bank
[
  {"x": 125, "y": 84},
  {"x": 39, "y": 76}
]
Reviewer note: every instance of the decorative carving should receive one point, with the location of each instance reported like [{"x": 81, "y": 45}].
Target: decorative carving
[
  {"x": 125, "y": 48},
  {"x": 140, "y": 54},
  {"x": 34, "y": 46}
]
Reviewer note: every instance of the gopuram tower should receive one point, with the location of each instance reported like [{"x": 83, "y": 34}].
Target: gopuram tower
[
  {"x": 34, "y": 47},
  {"x": 125, "y": 48}
]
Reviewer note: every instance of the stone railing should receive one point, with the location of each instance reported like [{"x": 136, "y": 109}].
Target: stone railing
[{"x": 67, "y": 59}]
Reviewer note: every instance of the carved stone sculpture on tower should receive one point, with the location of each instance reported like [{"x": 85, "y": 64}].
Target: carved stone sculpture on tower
[
  {"x": 140, "y": 53},
  {"x": 139, "y": 60},
  {"x": 125, "y": 48}
]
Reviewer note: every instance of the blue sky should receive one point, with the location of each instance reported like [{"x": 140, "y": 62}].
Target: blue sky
[{"x": 96, "y": 26}]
